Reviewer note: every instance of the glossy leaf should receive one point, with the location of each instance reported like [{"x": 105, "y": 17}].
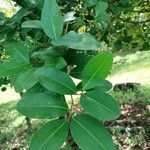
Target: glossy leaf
[
  {"x": 51, "y": 19},
  {"x": 18, "y": 51},
  {"x": 100, "y": 105},
  {"x": 73, "y": 40},
  {"x": 56, "y": 81},
  {"x": 89, "y": 134},
  {"x": 11, "y": 68},
  {"x": 50, "y": 136},
  {"x": 97, "y": 69},
  {"x": 31, "y": 24},
  {"x": 26, "y": 80},
  {"x": 90, "y": 3},
  {"x": 42, "y": 105}
]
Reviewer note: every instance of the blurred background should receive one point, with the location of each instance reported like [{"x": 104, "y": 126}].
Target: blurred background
[{"x": 128, "y": 36}]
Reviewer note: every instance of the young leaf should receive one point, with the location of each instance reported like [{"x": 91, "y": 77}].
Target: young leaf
[
  {"x": 56, "y": 81},
  {"x": 90, "y": 3},
  {"x": 94, "y": 135},
  {"x": 18, "y": 51},
  {"x": 100, "y": 105},
  {"x": 50, "y": 136},
  {"x": 51, "y": 19},
  {"x": 32, "y": 24},
  {"x": 73, "y": 40},
  {"x": 26, "y": 80},
  {"x": 12, "y": 68},
  {"x": 97, "y": 69},
  {"x": 42, "y": 105}
]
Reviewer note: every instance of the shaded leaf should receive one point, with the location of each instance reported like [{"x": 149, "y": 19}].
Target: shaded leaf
[
  {"x": 90, "y": 3},
  {"x": 55, "y": 62},
  {"x": 100, "y": 8}
]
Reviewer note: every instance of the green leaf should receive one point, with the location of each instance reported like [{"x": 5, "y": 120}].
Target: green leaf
[
  {"x": 20, "y": 15},
  {"x": 50, "y": 136},
  {"x": 26, "y": 80},
  {"x": 69, "y": 16},
  {"x": 97, "y": 69},
  {"x": 100, "y": 7},
  {"x": 56, "y": 81},
  {"x": 51, "y": 19},
  {"x": 42, "y": 105},
  {"x": 89, "y": 134},
  {"x": 51, "y": 51},
  {"x": 32, "y": 24},
  {"x": 55, "y": 62},
  {"x": 100, "y": 105},
  {"x": 18, "y": 51},
  {"x": 38, "y": 3},
  {"x": 12, "y": 68},
  {"x": 79, "y": 60},
  {"x": 90, "y": 3},
  {"x": 37, "y": 88},
  {"x": 102, "y": 86},
  {"x": 73, "y": 40}
]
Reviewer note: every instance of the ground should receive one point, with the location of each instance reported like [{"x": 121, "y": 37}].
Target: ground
[{"x": 130, "y": 131}]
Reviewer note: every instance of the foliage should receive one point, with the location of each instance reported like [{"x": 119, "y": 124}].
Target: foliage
[
  {"x": 127, "y": 132},
  {"x": 42, "y": 45}
]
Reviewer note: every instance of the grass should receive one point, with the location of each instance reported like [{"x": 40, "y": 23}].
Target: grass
[
  {"x": 140, "y": 96},
  {"x": 131, "y": 68}
]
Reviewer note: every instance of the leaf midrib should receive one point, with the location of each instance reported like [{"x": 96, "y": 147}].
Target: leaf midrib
[
  {"x": 94, "y": 73},
  {"x": 52, "y": 135},
  {"x": 24, "y": 82},
  {"x": 61, "y": 84},
  {"x": 43, "y": 106},
  {"x": 26, "y": 60},
  {"x": 5, "y": 70},
  {"x": 89, "y": 133},
  {"x": 101, "y": 105}
]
